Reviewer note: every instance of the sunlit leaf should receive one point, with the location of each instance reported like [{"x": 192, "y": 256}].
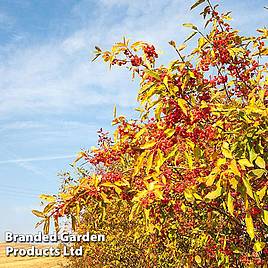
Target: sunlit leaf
[
  {"x": 197, "y": 3},
  {"x": 250, "y": 226}
]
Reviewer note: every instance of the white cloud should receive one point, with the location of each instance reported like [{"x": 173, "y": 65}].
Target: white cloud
[{"x": 57, "y": 76}]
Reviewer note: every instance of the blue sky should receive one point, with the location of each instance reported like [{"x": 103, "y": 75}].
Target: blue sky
[{"x": 53, "y": 99}]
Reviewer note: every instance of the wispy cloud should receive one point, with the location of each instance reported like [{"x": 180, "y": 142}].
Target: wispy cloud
[
  {"x": 6, "y": 21},
  {"x": 36, "y": 159},
  {"x": 57, "y": 76}
]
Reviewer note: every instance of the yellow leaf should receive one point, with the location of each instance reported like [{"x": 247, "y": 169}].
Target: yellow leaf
[
  {"x": 191, "y": 74},
  {"x": 259, "y": 246},
  {"x": 165, "y": 81},
  {"x": 47, "y": 198},
  {"x": 260, "y": 162},
  {"x": 249, "y": 225},
  {"x": 234, "y": 168},
  {"x": 212, "y": 176},
  {"x": 230, "y": 204},
  {"x": 261, "y": 193},
  {"x": 149, "y": 163},
  {"x": 221, "y": 162},
  {"x": 147, "y": 213},
  {"x": 169, "y": 132},
  {"x": 212, "y": 54},
  {"x": 79, "y": 156},
  {"x": 233, "y": 183},
  {"x": 133, "y": 210},
  {"x": 210, "y": 179},
  {"x": 265, "y": 216},
  {"x": 216, "y": 193},
  {"x": 158, "y": 110},
  {"x": 114, "y": 111},
  {"x": 189, "y": 159},
  {"x": 198, "y": 259},
  {"x": 182, "y": 47},
  {"x": 138, "y": 164},
  {"x": 109, "y": 184},
  {"x": 183, "y": 105},
  {"x": 188, "y": 195},
  {"x": 183, "y": 207},
  {"x": 158, "y": 194},
  {"x": 38, "y": 213},
  {"x": 245, "y": 162},
  {"x": 258, "y": 172},
  {"x": 190, "y": 25},
  {"x": 139, "y": 134},
  {"x": 104, "y": 197},
  {"x": 201, "y": 42},
  {"x": 148, "y": 145},
  {"x": 227, "y": 153},
  {"x": 248, "y": 187},
  {"x": 159, "y": 160},
  {"x": 197, "y": 196}
]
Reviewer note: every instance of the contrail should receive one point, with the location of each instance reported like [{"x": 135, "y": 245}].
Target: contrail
[{"x": 34, "y": 159}]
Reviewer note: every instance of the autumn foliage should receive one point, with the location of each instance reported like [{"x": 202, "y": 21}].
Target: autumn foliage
[{"x": 185, "y": 185}]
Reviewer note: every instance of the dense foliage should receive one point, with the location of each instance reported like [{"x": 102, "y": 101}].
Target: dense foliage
[{"x": 185, "y": 185}]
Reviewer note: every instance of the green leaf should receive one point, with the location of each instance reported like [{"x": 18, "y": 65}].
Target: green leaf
[
  {"x": 197, "y": 3},
  {"x": 260, "y": 162},
  {"x": 250, "y": 226}
]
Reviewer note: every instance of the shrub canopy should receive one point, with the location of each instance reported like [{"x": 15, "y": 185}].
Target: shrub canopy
[{"x": 186, "y": 183}]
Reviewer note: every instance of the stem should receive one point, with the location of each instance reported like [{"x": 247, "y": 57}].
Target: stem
[{"x": 227, "y": 215}]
